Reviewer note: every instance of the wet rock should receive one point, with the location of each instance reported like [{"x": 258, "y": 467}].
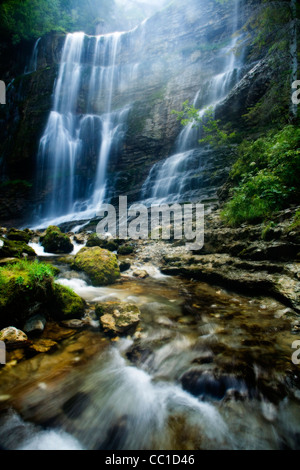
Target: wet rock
[
  {"x": 160, "y": 309},
  {"x": 124, "y": 265},
  {"x": 15, "y": 249},
  {"x": 35, "y": 325},
  {"x": 126, "y": 249},
  {"x": 105, "y": 243},
  {"x": 80, "y": 238},
  {"x": 43, "y": 345},
  {"x": 54, "y": 241},
  {"x": 74, "y": 324},
  {"x": 100, "y": 265},
  {"x": 76, "y": 405},
  {"x": 140, "y": 273},
  {"x": 118, "y": 318},
  {"x": 211, "y": 385},
  {"x": 13, "y": 337},
  {"x": 259, "y": 277},
  {"x": 68, "y": 304}
]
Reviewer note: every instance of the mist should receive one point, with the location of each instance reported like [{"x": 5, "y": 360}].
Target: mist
[{"x": 132, "y": 12}]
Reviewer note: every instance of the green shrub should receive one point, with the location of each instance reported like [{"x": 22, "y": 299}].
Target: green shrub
[{"x": 266, "y": 175}]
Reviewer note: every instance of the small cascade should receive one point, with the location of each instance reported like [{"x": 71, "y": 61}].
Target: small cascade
[
  {"x": 180, "y": 177},
  {"x": 32, "y": 67}
]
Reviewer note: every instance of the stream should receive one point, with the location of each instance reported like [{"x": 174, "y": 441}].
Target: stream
[{"x": 206, "y": 369}]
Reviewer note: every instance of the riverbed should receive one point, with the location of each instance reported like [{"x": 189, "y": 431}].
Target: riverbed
[{"x": 205, "y": 369}]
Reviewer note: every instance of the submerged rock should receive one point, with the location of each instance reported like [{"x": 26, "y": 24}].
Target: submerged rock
[
  {"x": 43, "y": 345},
  {"x": 54, "y": 241},
  {"x": 118, "y": 318},
  {"x": 100, "y": 265}
]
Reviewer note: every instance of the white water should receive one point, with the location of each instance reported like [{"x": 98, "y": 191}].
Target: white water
[
  {"x": 178, "y": 178},
  {"x": 74, "y": 135},
  {"x": 32, "y": 67}
]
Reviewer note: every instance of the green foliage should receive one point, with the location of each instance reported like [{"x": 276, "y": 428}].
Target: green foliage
[
  {"x": 30, "y": 19},
  {"x": 213, "y": 134},
  {"x": 267, "y": 174},
  {"x": 26, "y": 273},
  {"x": 295, "y": 225},
  {"x": 268, "y": 24}
]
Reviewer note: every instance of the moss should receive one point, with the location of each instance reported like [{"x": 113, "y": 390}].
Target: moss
[
  {"x": 125, "y": 249},
  {"x": 19, "y": 235},
  {"x": 100, "y": 265},
  {"x": 14, "y": 249},
  {"x": 23, "y": 286},
  {"x": 94, "y": 240},
  {"x": 70, "y": 304},
  {"x": 55, "y": 241}
]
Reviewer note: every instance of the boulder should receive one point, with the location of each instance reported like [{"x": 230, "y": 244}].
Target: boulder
[
  {"x": 35, "y": 325},
  {"x": 68, "y": 304},
  {"x": 19, "y": 235},
  {"x": 54, "y": 241},
  {"x": 100, "y": 265},
  {"x": 14, "y": 249},
  {"x": 13, "y": 337},
  {"x": 127, "y": 249},
  {"x": 118, "y": 318},
  {"x": 105, "y": 243}
]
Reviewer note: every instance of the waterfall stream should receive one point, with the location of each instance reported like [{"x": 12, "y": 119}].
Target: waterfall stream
[
  {"x": 180, "y": 176},
  {"x": 76, "y": 133}
]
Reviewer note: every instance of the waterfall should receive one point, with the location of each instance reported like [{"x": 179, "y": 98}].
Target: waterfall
[
  {"x": 83, "y": 129},
  {"x": 32, "y": 67},
  {"x": 180, "y": 177}
]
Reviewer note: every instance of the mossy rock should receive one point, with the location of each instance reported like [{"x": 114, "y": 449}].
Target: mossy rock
[
  {"x": 14, "y": 249},
  {"x": 118, "y": 318},
  {"x": 54, "y": 241},
  {"x": 29, "y": 286},
  {"x": 69, "y": 304},
  {"x": 100, "y": 265},
  {"x": 106, "y": 244},
  {"x": 19, "y": 235},
  {"x": 20, "y": 295}
]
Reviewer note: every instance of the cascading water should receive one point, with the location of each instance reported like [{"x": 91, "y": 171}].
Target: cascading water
[
  {"x": 180, "y": 177},
  {"x": 32, "y": 67},
  {"x": 82, "y": 128}
]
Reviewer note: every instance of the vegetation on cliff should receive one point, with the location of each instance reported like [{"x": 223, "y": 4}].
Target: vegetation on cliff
[{"x": 30, "y": 19}]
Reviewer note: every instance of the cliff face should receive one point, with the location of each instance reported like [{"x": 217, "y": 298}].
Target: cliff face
[{"x": 177, "y": 53}]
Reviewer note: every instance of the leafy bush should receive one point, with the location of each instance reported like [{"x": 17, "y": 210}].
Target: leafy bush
[{"x": 267, "y": 173}]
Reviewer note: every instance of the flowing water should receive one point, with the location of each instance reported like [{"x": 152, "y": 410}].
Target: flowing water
[
  {"x": 179, "y": 178},
  {"x": 206, "y": 369},
  {"x": 82, "y": 127}
]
